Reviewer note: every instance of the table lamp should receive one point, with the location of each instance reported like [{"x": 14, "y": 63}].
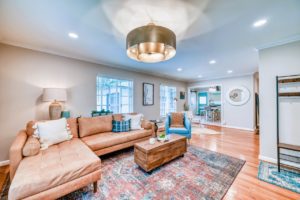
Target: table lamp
[{"x": 55, "y": 95}]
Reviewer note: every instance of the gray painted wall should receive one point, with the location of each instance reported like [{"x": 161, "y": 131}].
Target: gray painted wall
[
  {"x": 24, "y": 73},
  {"x": 276, "y": 61},
  {"x": 234, "y": 116}
]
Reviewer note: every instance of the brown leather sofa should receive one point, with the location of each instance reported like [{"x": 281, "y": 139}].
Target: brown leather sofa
[{"x": 70, "y": 165}]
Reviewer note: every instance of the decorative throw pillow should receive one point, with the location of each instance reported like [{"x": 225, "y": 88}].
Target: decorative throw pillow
[
  {"x": 177, "y": 120},
  {"x": 52, "y": 132},
  {"x": 31, "y": 147},
  {"x": 121, "y": 126},
  {"x": 136, "y": 121}
]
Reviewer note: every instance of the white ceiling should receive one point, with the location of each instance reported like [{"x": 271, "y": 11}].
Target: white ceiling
[{"x": 208, "y": 29}]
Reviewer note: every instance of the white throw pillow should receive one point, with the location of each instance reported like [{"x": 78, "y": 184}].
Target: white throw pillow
[
  {"x": 52, "y": 132},
  {"x": 136, "y": 121}
]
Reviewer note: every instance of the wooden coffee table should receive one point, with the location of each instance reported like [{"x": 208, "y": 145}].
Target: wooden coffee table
[{"x": 149, "y": 156}]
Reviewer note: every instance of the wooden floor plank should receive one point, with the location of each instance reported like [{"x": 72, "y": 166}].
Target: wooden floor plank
[{"x": 4, "y": 170}]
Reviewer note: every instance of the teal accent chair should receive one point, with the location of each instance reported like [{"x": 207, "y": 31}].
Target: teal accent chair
[{"x": 184, "y": 131}]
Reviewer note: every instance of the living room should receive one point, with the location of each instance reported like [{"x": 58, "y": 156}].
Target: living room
[{"x": 84, "y": 66}]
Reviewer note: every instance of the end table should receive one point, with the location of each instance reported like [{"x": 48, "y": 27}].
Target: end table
[{"x": 155, "y": 125}]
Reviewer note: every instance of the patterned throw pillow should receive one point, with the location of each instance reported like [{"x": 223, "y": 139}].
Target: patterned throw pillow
[
  {"x": 177, "y": 120},
  {"x": 121, "y": 126}
]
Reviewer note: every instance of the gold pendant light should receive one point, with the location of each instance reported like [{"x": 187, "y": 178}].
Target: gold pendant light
[{"x": 151, "y": 44}]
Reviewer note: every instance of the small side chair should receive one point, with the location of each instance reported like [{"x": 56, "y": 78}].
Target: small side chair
[{"x": 184, "y": 131}]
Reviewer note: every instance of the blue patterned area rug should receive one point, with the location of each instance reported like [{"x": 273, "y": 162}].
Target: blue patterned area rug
[{"x": 286, "y": 178}]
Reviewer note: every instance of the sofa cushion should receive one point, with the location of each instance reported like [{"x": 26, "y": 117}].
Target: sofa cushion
[
  {"x": 118, "y": 117},
  {"x": 178, "y": 130},
  {"x": 73, "y": 125},
  {"x": 104, "y": 140},
  {"x": 92, "y": 125},
  {"x": 31, "y": 147},
  {"x": 54, "y": 166}
]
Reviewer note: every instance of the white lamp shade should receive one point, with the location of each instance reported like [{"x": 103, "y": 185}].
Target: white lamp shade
[{"x": 54, "y": 94}]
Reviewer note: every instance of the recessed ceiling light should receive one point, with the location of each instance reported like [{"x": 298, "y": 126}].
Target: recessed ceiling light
[
  {"x": 200, "y": 76},
  {"x": 212, "y": 62},
  {"x": 229, "y": 71},
  {"x": 179, "y": 69},
  {"x": 73, "y": 35},
  {"x": 260, "y": 22}
]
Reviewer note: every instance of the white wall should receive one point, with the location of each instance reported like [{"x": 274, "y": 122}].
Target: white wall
[
  {"x": 234, "y": 116},
  {"x": 24, "y": 73},
  {"x": 277, "y": 61}
]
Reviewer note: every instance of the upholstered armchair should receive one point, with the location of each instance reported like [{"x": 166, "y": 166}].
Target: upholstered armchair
[{"x": 184, "y": 131}]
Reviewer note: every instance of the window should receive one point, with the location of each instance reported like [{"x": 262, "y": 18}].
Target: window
[
  {"x": 114, "y": 95},
  {"x": 202, "y": 100},
  {"x": 167, "y": 100}
]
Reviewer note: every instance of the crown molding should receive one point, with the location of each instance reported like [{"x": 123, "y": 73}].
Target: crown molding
[
  {"x": 222, "y": 77},
  {"x": 287, "y": 40}
]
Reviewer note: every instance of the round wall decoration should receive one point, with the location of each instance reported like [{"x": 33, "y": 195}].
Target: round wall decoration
[{"x": 238, "y": 95}]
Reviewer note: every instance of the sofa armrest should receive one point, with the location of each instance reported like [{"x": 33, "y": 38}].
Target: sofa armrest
[
  {"x": 15, "y": 153},
  {"x": 146, "y": 124}
]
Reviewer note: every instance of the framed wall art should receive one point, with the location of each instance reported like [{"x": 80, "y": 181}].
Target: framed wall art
[{"x": 148, "y": 94}]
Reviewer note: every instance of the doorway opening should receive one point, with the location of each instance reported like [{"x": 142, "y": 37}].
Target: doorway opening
[{"x": 206, "y": 104}]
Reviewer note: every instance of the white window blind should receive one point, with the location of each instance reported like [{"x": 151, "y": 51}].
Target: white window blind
[
  {"x": 167, "y": 100},
  {"x": 115, "y": 95}
]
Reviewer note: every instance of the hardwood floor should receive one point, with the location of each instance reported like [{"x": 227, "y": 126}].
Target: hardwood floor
[
  {"x": 4, "y": 172},
  {"x": 243, "y": 145},
  {"x": 239, "y": 144}
]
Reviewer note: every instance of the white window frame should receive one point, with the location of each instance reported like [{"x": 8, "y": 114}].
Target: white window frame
[
  {"x": 99, "y": 94},
  {"x": 170, "y": 99}
]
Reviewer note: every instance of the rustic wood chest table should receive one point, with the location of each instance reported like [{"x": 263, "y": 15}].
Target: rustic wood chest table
[{"x": 149, "y": 156}]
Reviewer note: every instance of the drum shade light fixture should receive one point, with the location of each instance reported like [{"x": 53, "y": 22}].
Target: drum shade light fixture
[{"x": 151, "y": 44}]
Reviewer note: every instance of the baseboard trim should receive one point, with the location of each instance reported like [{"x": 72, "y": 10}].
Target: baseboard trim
[
  {"x": 237, "y": 127},
  {"x": 227, "y": 126},
  {"x": 267, "y": 159},
  {"x": 4, "y": 163}
]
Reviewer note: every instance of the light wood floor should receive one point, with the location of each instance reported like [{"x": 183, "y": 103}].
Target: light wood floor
[
  {"x": 239, "y": 144},
  {"x": 243, "y": 145},
  {"x": 3, "y": 174}
]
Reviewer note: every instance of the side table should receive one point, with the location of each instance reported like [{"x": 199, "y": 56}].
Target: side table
[{"x": 155, "y": 125}]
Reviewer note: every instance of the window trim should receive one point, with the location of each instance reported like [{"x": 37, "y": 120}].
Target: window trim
[
  {"x": 171, "y": 86},
  {"x": 118, "y": 78}
]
